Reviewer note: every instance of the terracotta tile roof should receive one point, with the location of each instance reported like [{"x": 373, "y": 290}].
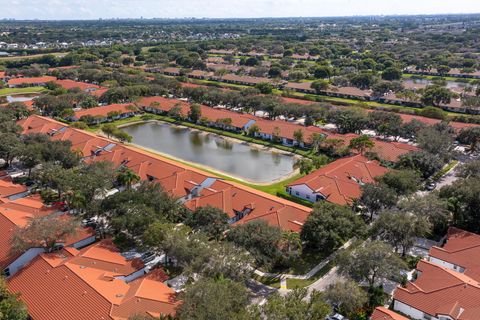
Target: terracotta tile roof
[
  {"x": 35, "y": 80},
  {"x": 462, "y": 249},
  {"x": 55, "y": 286},
  {"x": 244, "y": 79},
  {"x": 382, "y": 313},
  {"x": 440, "y": 291},
  {"x": 103, "y": 111},
  {"x": 8, "y": 189},
  {"x": 70, "y": 84},
  {"x": 98, "y": 93},
  {"x": 340, "y": 181},
  {"x": 2, "y": 75},
  {"x": 239, "y": 120},
  {"x": 14, "y": 214}
]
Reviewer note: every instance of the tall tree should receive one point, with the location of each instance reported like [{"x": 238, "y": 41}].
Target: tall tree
[
  {"x": 370, "y": 263},
  {"x": 347, "y": 296},
  {"x": 11, "y": 307},
  {"x": 43, "y": 232},
  {"x": 260, "y": 239},
  {"x": 210, "y": 220},
  {"x": 361, "y": 144},
  {"x": 296, "y": 305},
  {"x": 401, "y": 228},
  {"x": 209, "y": 299},
  {"x": 329, "y": 226}
]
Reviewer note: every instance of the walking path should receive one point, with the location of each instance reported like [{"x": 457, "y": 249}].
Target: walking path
[{"x": 284, "y": 276}]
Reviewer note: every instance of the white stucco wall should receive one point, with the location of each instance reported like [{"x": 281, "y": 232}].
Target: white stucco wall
[
  {"x": 303, "y": 191},
  {"x": 408, "y": 310},
  {"x": 25, "y": 258}
]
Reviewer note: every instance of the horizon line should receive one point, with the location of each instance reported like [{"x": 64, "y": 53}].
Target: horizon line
[{"x": 2, "y": 19}]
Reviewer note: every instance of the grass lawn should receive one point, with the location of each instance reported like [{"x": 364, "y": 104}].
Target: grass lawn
[
  {"x": 13, "y": 58},
  {"x": 9, "y": 91},
  {"x": 269, "y": 281},
  {"x": 306, "y": 262},
  {"x": 302, "y": 283},
  {"x": 421, "y": 76}
]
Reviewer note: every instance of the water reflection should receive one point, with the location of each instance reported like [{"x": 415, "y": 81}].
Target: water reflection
[{"x": 236, "y": 158}]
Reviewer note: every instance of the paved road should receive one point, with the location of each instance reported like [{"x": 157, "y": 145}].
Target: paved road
[
  {"x": 330, "y": 278},
  {"x": 259, "y": 291}
]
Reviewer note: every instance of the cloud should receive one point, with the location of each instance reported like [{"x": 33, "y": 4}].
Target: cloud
[{"x": 94, "y": 9}]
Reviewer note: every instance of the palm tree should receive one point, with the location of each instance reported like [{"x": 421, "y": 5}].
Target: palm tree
[
  {"x": 126, "y": 177},
  {"x": 316, "y": 140}
]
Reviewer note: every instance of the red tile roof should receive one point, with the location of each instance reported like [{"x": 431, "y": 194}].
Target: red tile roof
[
  {"x": 98, "y": 93},
  {"x": 103, "y": 111},
  {"x": 382, "y": 313},
  {"x": 8, "y": 188},
  {"x": 59, "y": 286},
  {"x": 462, "y": 249},
  {"x": 440, "y": 291},
  {"x": 17, "y": 214},
  {"x": 70, "y": 84},
  {"x": 339, "y": 181},
  {"x": 36, "y": 80}
]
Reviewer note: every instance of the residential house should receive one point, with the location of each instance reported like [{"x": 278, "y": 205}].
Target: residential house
[
  {"x": 106, "y": 113},
  {"x": 30, "y": 82},
  {"x": 339, "y": 182},
  {"x": 91, "y": 283},
  {"x": 83, "y": 86},
  {"x": 438, "y": 293},
  {"x": 12, "y": 191},
  {"x": 382, "y": 313},
  {"x": 17, "y": 214},
  {"x": 460, "y": 253}
]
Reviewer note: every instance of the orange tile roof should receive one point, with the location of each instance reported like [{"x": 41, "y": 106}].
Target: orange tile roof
[
  {"x": 14, "y": 214},
  {"x": 59, "y": 286},
  {"x": 35, "y": 80},
  {"x": 70, "y": 84},
  {"x": 336, "y": 181},
  {"x": 103, "y": 111},
  {"x": 382, "y": 313},
  {"x": 8, "y": 189},
  {"x": 98, "y": 93},
  {"x": 440, "y": 291},
  {"x": 462, "y": 249}
]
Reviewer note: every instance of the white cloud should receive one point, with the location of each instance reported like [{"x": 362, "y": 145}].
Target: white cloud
[{"x": 93, "y": 9}]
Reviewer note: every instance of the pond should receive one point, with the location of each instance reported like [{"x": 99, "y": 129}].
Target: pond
[
  {"x": 227, "y": 156},
  {"x": 449, "y": 84},
  {"x": 20, "y": 97}
]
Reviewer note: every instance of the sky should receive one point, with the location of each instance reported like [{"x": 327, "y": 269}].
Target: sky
[{"x": 94, "y": 9}]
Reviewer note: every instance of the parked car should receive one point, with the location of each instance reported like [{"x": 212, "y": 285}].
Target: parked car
[
  {"x": 336, "y": 316},
  {"x": 431, "y": 186}
]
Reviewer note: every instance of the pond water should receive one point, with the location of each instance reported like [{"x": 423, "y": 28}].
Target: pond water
[
  {"x": 20, "y": 97},
  {"x": 449, "y": 84},
  {"x": 231, "y": 157}
]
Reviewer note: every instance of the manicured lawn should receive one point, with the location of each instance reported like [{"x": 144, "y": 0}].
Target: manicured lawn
[
  {"x": 306, "y": 262},
  {"x": 32, "y": 56},
  {"x": 302, "y": 283},
  {"x": 420, "y": 76},
  {"x": 8, "y": 91},
  {"x": 268, "y": 281}
]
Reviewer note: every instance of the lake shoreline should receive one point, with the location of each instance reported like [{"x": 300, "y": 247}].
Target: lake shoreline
[{"x": 211, "y": 169}]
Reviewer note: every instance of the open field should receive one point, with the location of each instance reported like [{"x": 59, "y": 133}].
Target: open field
[
  {"x": 12, "y": 91},
  {"x": 57, "y": 54}
]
